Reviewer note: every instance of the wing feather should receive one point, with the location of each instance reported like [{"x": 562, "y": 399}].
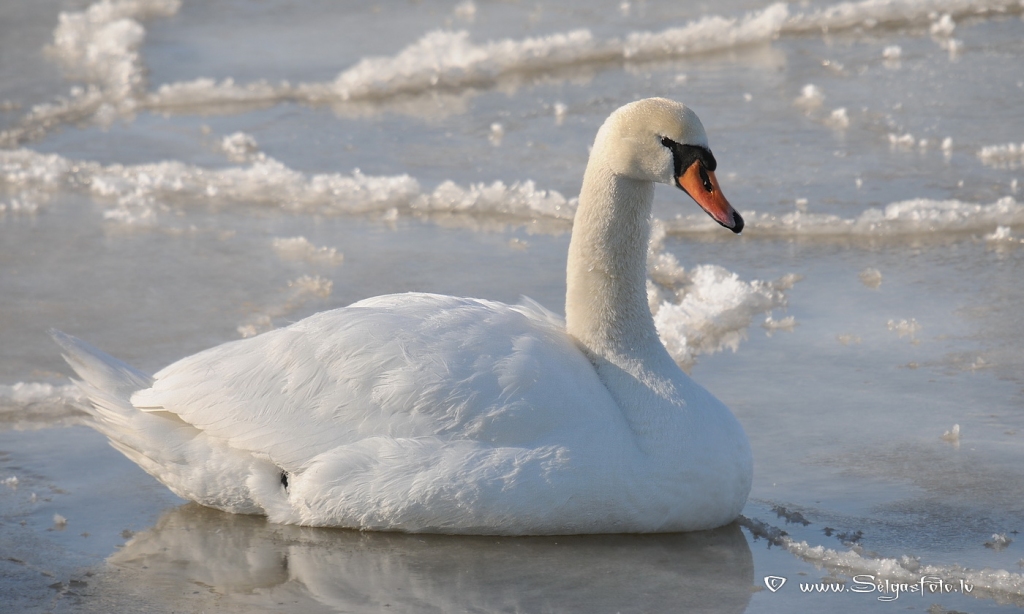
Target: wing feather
[{"x": 408, "y": 366}]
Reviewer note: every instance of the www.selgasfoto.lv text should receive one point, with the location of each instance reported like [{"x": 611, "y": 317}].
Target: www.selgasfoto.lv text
[{"x": 888, "y": 590}]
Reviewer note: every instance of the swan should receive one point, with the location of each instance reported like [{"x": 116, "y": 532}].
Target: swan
[{"x": 426, "y": 413}]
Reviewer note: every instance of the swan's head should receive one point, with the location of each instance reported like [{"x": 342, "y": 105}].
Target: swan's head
[{"x": 663, "y": 141}]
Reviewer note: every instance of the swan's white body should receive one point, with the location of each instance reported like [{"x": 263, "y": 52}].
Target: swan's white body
[{"x": 427, "y": 413}]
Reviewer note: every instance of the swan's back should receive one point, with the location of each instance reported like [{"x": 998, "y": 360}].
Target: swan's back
[{"x": 404, "y": 366}]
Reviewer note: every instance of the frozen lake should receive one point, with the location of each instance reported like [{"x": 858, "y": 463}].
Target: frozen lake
[{"x": 174, "y": 175}]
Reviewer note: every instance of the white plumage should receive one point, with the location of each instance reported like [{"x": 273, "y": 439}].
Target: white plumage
[{"x": 426, "y": 413}]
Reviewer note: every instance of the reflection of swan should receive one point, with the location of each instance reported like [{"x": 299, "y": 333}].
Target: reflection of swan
[
  {"x": 437, "y": 414},
  {"x": 244, "y": 560}
]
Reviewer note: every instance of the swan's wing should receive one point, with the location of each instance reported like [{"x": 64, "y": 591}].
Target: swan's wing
[{"x": 408, "y": 366}]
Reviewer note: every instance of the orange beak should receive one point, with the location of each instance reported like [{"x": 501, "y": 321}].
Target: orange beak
[{"x": 702, "y": 186}]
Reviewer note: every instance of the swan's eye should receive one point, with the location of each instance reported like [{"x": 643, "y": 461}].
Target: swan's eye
[{"x": 707, "y": 180}]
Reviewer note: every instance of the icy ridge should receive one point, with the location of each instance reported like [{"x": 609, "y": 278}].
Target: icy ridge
[
  {"x": 998, "y": 584},
  {"x": 1010, "y": 155},
  {"x": 38, "y": 392},
  {"x": 141, "y": 192},
  {"x": 871, "y": 13},
  {"x": 919, "y": 216},
  {"x": 101, "y": 45},
  {"x": 449, "y": 59},
  {"x": 30, "y": 405}
]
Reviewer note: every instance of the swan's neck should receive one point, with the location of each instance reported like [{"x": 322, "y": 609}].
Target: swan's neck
[{"x": 606, "y": 306}]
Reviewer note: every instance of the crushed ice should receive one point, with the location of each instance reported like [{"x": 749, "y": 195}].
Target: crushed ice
[
  {"x": 300, "y": 248},
  {"x": 952, "y": 435},
  {"x": 870, "y": 277},
  {"x": 904, "y": 328},
  {"x": 1010, "y": 155},
  {"x": 706, "y": 309},
  {"x": 998, "y": 542},
  {"x": 298, "y": 292}
]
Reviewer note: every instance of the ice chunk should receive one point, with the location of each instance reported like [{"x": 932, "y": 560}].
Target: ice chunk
[
  {"x": 30, "y": 405},
  {"x": 892, "y": 52},
  {"x": 100, "y": 45},
  {"x": 810, "y": 97},
  {"x": 870, "y": 277},
  {"x": 1000, "y": 234},
  {"x": 710, "y": 311},
  {"x": 204, "y": 91},
  {"x": 771, "y": 325},
  {"x": 999, "y": 541},
  {"x": 560, "y": 111},
  {"x": 299, "y": 292},
  {"x": 838, "y": 118},
  {"x": 240, "y": 147},
  {"x": 300, "y": 248},
  {"x": 870, "y": 13},
  {"x": 466, "y": 10},
  {"x": 944, "y": 26},
  {"x": 706, "y": 309},
  {"x": 496, "y": 134},
  {"x": 708, "y": 34},
  {"x": 1010, "y": 155},
  {"x": 901, "y": 141},
  {"x": 904, "y": 328},
  {"x": 952, "y": 435},
  {"x": 952, "y": 45}
]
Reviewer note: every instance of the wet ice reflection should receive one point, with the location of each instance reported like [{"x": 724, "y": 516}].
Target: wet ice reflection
[{"x": 244, "y": 559}]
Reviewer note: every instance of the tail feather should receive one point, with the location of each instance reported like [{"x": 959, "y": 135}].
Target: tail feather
[
  {"x": 106, "y": 381},
  {"x": 99, "y": 369},
  {"x": 174, "y": 452}
]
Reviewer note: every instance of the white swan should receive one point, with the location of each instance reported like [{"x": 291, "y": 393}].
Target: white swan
[{"x": 426, "y": 413}]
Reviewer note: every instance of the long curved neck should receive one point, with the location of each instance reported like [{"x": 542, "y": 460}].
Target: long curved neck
[{"x": 606, "y": 306}]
